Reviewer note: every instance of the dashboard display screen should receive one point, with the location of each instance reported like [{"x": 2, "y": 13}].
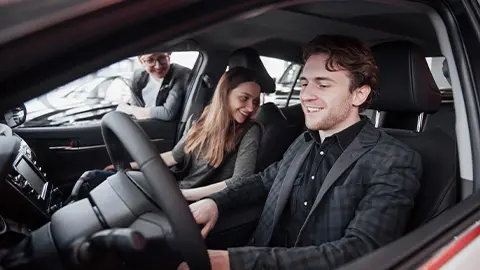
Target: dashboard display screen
[{"x": 31, "y": 174}]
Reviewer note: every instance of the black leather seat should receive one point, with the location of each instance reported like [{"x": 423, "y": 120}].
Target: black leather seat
[
  {"x": 407, "y": 89},
  {"x": 278, "y": 134},
  {"x": 399, "y": 111}
]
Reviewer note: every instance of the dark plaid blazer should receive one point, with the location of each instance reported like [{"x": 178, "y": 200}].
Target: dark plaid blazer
[{"x": 363, "y": 204}]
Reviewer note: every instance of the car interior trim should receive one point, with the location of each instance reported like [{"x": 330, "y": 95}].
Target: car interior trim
[{"x": 90, "y": 147}]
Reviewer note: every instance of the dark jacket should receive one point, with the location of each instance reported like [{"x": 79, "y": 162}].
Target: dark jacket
[
  {"x": 363, "y": 204},
  {"x": 170, "y": 98}
]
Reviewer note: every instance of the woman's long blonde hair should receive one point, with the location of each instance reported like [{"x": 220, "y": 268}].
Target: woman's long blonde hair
[{"x": 216, "y": 132}]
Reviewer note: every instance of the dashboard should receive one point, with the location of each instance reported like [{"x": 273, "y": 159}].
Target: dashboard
[{"x": 27, "y": 198}]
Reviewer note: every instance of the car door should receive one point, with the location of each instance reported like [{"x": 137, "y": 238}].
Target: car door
[
  {"x": 63, "y": 126},
  {"x": 442, "y": 243}
]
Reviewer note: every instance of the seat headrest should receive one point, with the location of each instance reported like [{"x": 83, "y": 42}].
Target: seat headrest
[
  {"x": 249, "y": 58},
  {"x": 269, "y": 113},
  {"x": 405, "y": 81}
]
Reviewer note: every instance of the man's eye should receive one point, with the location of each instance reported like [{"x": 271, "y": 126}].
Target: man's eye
[{"x": 323, "y": 86}]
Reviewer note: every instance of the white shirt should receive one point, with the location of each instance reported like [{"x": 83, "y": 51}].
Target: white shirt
[{"x": 150, "y": 92}]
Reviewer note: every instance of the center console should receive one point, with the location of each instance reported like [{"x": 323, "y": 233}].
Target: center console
[
  {"x": 26, "y": 186},
  {"x": 30, "y": 181}
]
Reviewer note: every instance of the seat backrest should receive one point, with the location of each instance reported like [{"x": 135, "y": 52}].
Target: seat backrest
[
  {"x": 277, "y": 135},
  {"x": 438, "y": 183},
  {"x": 407, "y": 89},
  {"x": 444, "y": 118}
]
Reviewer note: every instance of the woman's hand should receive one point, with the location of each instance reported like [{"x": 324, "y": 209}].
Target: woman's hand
[
  {"x": 195, "y": 194},
  {"x": 186, "y": 194}
]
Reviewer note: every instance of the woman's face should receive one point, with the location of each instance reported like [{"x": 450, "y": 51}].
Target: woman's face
[{"x": 243, "y": 101}]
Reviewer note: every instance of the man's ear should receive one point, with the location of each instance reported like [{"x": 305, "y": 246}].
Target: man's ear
[
  {"x": 140, "y": 59},
  {"x": 360, "y": 95}
]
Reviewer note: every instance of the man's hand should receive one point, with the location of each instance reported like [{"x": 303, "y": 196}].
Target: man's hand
[
  {"x": 205, "y": 212},
  {"x": 138, "y": 112},
  {"x": 124, "y": 108},
  {"x": 218, "y": 259},
  {"x": 109, "y": 168}
]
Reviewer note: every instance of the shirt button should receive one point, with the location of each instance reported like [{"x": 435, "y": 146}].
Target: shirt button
[
  {"x": 313, "y": 176},
  {"x": 305, "y": 203},
  {"x": 322, "y": 153}
]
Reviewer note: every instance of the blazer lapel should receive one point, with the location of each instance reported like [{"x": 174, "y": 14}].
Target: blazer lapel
[
  {"x": 289, "y": 179},
  {"x": 364, "y": 141},
  {"x": 285, "y": 190}
]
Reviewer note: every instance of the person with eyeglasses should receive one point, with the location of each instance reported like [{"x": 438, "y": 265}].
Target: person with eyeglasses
[{"x": 158, "y": 89}]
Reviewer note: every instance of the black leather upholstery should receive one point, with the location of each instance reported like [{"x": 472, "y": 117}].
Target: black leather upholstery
[
  {"x": 249, "y": 58},
  {"x": 406, "y": 83},
  {"x": 438, "y": 189},
  {"x": 407, "y": 89},
  {"x": 277, "y": 136}
]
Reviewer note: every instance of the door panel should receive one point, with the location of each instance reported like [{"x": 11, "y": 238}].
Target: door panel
[{"x": 64, "y": 153}]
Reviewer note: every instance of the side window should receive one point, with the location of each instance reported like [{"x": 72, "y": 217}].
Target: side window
[
  {"x": 439, "y": 70},
  {"x": 286, "y": 77},
  {"x": 85, "y": 100}
]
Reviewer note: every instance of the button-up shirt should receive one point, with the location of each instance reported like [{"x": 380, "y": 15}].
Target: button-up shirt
[{"x": 309, "y": 181}]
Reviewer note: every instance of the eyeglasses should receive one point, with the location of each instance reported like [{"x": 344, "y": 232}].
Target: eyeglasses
[{"x": 151, "y": 62}]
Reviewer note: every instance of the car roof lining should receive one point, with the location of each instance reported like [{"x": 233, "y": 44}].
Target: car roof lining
[{"x": 281, "y": 33}]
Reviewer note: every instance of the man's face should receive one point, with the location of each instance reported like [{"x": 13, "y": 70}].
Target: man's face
[
  {"x": 326, "y": 98},
  {"x": 156, "y": 64}
]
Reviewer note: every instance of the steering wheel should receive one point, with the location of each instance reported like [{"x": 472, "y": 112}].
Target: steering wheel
[
  {"x": 128, "y": 207},
  {"x": 122, "y": 135}
]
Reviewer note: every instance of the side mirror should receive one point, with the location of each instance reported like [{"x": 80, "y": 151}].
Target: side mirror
[{"x": 16, "y": 116}]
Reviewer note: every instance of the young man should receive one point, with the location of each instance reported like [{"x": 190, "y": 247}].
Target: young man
[
  {"x": 158, "y": 90},
  {"x": 342, "y": 189}
]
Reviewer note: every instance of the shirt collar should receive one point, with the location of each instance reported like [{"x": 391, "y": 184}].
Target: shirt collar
[{"x": 344, "y": 137}]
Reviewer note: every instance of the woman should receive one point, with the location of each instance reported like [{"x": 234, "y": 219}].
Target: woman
[{"x": 223, "y": 142}]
